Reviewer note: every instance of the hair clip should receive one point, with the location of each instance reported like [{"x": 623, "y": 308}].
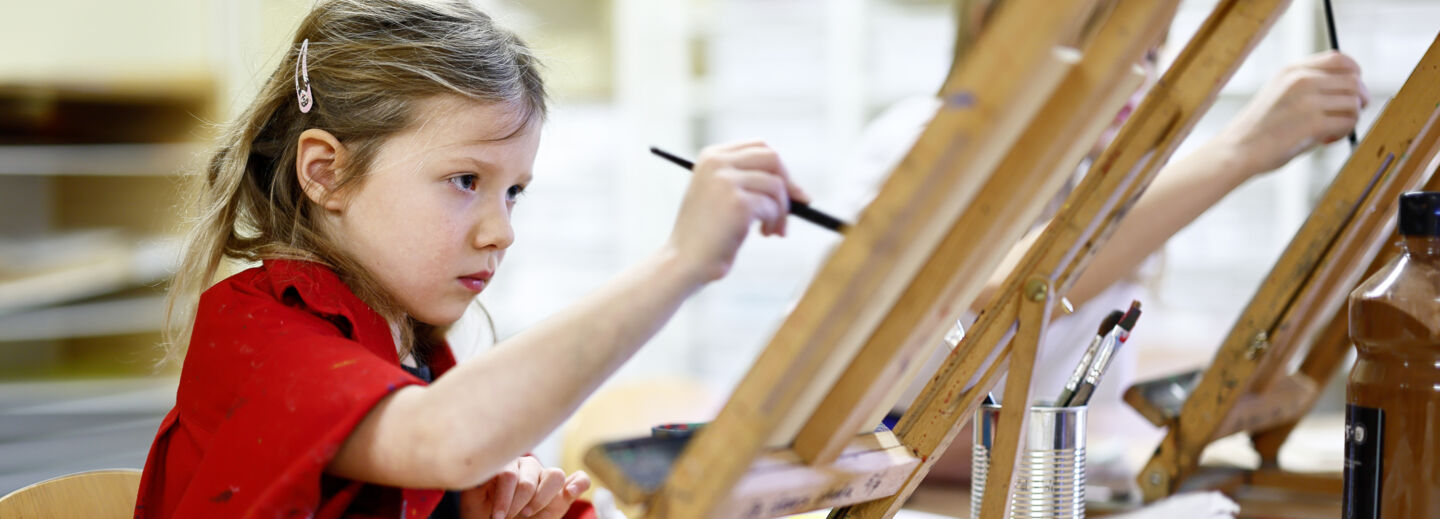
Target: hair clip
[{"x": 302, "y": 72}]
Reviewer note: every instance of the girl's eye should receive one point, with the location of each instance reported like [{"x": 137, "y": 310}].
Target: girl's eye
[
  {"x": 514, "y": 193},
  {"x": 464, "y": 182}
]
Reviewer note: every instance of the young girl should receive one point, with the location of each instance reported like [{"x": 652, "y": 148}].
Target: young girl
[{"x": 373, "y": 177}]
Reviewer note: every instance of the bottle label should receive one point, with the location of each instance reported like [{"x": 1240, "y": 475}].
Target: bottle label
[{"x": 1364, "y": 448}]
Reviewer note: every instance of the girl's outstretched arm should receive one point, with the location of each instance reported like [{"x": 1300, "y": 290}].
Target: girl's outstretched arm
[{"x": 457, "y": 432}]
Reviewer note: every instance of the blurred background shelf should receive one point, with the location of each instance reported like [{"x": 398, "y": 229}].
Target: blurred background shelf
[
  {"x": 98, "y": 159},
  {"x": 91, "y": 176},
  {"x": 72, "y": 266},
  {"x": 122, "y": 316},
  {"x": 91, "y": 173}
]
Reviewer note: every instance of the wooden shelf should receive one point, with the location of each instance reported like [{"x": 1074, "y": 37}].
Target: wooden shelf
[
  {"x": 99, "y": 159},
  {"x": 105, "y": 112},
  {"x": 106, "y": 265},
  {"x": 93, "y": 169},
  {"x": 102, "y": 318}
]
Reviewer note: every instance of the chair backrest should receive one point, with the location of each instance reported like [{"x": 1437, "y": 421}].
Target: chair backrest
[{"x": 98, "y": 494}]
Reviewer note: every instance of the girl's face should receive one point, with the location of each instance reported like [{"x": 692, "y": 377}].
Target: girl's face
[{"x": 431, "y": 221}]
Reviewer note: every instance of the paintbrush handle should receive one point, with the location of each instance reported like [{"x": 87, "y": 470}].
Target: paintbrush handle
[
  {"x": 809, "y": 214},
  {"x": 1335, "y": 45},
  {"x": 1077, "y": 376},
  {"x": 801, "y": 210},
  {"x": 1112, "y": 344}
]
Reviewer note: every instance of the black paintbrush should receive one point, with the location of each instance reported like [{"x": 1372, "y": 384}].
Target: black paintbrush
[
  {"x": 800, "y": 209},
  {"x": 1335, "y": 44}
]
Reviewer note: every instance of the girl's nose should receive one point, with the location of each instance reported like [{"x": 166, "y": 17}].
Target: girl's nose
[{"x": 494, "y": 229}]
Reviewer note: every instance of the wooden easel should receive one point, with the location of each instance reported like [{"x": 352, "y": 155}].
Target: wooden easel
[
  {"x": 1249, "y": 387},
  {"x": 1017, "y": 116},
  {"x": 1113, "y": 184}
]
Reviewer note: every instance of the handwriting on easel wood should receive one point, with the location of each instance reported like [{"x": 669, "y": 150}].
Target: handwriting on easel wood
[{"x": 874, "y": 487}]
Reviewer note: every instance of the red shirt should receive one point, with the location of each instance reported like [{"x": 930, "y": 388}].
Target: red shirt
[{"x": 284, "y": 361}]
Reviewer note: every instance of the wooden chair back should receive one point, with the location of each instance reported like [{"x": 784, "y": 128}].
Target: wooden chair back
[{"x": 97, "y": 494}]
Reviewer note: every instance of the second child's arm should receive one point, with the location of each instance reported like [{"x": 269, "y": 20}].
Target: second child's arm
[
  {"x": 1317, "y": 100},
  {"x": 457, "y": 432}
]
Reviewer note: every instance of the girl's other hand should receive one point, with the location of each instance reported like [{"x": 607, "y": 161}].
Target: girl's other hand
[
  {"x": 1315, "y": 101},
  {"x": 733, "y": 185},
  {"x": 523, "y": 490}
]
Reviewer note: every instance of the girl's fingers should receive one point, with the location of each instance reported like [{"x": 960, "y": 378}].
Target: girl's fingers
[
  {"x": 1338, "y": 105},
  {"x": 1332, "y": 60},
  {"x": 765, "y": 159},
  {"x": 756, "y": 155},
  {"x": 526, "y": 484},
  {"x": 477, "y": 503},
  {"x": 760, "y": 182},
  {"x": 731, "y": 146},
  {"x": 1338, "y": 127},
  {"x": 1350, "y": 86},
  {"x": 757, "y": 158},
  {"x": 765, "y": 185},
  {"x": 1337, "y": 84},
  {"x": 552, "y": 485},
  {"x": 556, "y": 509},
  {"x": 575, "y": 485},
  {"x": 504, "y": 484}
]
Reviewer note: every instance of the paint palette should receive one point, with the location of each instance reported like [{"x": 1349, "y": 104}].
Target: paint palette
[
  {"x": 642, "y": 464},
  {"x": 675, "y": 430}
]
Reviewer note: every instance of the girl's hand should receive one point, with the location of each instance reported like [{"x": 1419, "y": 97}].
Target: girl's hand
[
  {"x": 524, "y": 490},
  {"x": 1315, "y": 101},
  {"x": 733, "y": 185}
]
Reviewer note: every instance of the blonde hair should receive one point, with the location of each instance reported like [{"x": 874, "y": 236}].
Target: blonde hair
[{"x": 370, "y": 64}]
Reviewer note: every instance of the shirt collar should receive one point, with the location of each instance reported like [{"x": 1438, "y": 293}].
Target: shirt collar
[{"x": 324, "y": 293}]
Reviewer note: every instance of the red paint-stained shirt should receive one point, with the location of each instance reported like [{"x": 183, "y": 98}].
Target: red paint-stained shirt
[{"x": 283, "y": 363}]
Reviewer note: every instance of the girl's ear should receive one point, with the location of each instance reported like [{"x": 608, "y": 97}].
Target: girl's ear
[{"x": 318, "y": 158}]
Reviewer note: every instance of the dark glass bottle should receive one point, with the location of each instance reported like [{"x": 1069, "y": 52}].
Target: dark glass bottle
[{"x": 1392, "y": 420}]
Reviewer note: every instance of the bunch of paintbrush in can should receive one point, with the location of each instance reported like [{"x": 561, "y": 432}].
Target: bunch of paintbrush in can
[{"x": 1113, "y": 333}]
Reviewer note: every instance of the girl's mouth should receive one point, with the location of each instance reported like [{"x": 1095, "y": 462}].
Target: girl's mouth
[{"x": 477, "y": 281}]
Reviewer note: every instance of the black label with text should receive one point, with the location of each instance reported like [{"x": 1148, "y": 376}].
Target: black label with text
[{"x": 1364, "y": 449}]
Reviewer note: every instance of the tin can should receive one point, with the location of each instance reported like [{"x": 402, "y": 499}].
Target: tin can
[{"x": 1050, "y": 471}]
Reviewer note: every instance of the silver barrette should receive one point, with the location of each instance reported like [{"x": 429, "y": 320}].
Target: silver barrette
[{"x": 302, "y": 73}]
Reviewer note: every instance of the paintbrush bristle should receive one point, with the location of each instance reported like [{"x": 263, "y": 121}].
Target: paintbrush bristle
[
  {"x": 1110, "y": 322},
  {"x": 1128, "y": 322}
]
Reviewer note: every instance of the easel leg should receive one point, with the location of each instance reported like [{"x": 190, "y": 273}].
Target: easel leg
[
  {"x": 1324, "y": 357},
  {"x": 1034, "y": 316}
]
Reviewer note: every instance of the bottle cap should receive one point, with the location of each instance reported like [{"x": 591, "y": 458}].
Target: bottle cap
[{"x": 1420, "y": 214}]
